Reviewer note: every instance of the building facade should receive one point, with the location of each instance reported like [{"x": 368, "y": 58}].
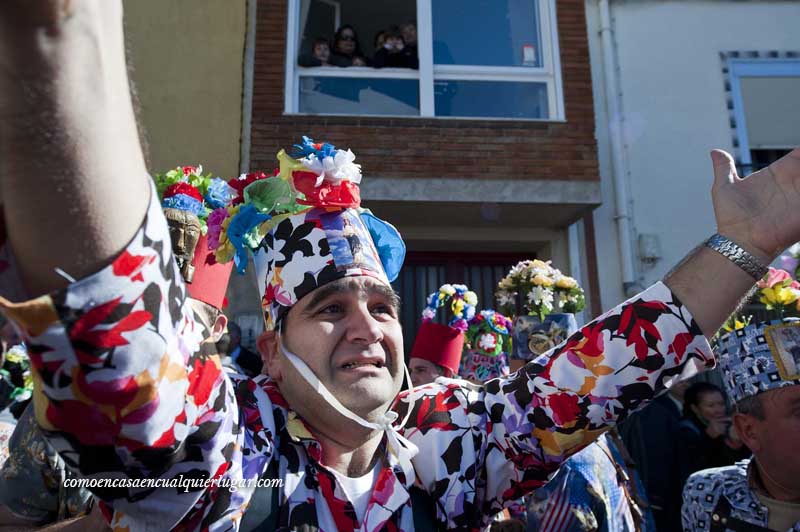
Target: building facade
[
  {"x": 674, "y": 79},
  {"x": 482, "y": 156}
]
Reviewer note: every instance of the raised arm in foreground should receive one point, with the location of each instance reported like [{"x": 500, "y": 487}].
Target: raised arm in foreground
[{"x": 72, "y": 174}]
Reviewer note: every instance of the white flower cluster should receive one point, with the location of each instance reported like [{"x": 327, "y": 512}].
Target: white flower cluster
[{"x": 334, "y": 169}]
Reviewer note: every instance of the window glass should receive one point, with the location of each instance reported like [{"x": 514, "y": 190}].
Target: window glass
[
  {"x": 486, "y": 33},
  {"x": 359, "y": 96},
  {"x": 488, "y": 99}
]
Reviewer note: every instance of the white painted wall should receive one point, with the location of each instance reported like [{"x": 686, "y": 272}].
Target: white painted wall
[{"x": 674, "y": 112}]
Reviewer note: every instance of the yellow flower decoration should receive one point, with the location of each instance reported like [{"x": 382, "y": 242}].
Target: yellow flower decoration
[{"x": 542, "y": 280}]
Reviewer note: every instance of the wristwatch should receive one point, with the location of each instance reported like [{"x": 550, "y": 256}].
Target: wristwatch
[{"x": 736, "y": 254}]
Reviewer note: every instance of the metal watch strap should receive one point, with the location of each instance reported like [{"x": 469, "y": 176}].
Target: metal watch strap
[{"x": 736, "y": 254}]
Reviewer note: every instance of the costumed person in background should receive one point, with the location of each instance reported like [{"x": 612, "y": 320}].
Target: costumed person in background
[
  {"x": 447, "y": 455},
  {"x": 437, "y": 348},
  {"x": 762, "y": 493},
  {"x": 32, "y": 482},
  {"x": 488, "y": 342},
  {"x": 543, "y": 302},
  {"x": 16, "y": 387},
  {"x": 597, "y": 489}
]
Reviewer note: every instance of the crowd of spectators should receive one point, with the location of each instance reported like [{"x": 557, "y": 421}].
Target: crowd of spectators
[{"x": 395, "y": 47}]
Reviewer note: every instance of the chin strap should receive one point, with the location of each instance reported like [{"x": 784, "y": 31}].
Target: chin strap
[{"x": 398, "y": 445}]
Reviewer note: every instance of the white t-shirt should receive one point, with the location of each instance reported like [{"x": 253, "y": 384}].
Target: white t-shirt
[{"x": 358, "y": 490}]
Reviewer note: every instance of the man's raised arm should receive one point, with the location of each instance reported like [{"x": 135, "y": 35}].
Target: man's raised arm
[
  {"x": 760, "y": 213},
  {"x": 73, "y": 178}
]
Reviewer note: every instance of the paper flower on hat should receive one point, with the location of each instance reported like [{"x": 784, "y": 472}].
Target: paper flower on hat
[
  {"x": 462, "y": 305},
  {"x": 186, "y": 188},
  {"x": 304, "y": 226},
  {"x": 489, "y": 333}
]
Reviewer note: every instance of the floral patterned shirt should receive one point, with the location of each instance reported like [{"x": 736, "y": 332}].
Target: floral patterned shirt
[{"x": 123, "y": 392}]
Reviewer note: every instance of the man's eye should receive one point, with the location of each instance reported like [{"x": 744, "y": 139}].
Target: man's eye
[
  {"x": 383, "y": 309},
  {"x": 330, "y": 309}
]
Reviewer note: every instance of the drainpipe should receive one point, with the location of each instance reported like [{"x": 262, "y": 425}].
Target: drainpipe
[
  {"x": 619, "y": 166},
  {"x": 247, "y": 86}
]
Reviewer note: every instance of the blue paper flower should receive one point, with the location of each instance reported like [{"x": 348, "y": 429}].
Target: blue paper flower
[
  {"x": 388, "y": 242},
  {"x": 247, "y": 219},
  {"x": 309, "y": 147},
  {"x": 184, "y": 203},
  {"x": 219, "y": 194}
]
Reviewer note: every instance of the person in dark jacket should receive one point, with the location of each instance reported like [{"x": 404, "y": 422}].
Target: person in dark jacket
[
  {"x": 705, "y": 436},
  {"x": 249, "y": 362},
  {"x": 394, "y": 53},
  {"x": 650, "y": 436}
]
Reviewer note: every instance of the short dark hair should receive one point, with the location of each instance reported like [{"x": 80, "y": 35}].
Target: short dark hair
[
  {"x": 752, "y": 406},
  {"x": 320, "y": 40}
]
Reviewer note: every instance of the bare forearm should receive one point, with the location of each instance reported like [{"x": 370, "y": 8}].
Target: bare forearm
[
  {"x": 73, "y": 179},
  {"x": 710, "y": 286}
]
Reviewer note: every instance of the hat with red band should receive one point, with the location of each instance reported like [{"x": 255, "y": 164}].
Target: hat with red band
[{"x": 443, "y": 344}]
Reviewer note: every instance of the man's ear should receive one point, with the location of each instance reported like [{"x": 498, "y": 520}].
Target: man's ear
[
  {"x": 747, "y": 428},
  {"x": 219, "y": 327},
  {"x": 267, "y": 345}
]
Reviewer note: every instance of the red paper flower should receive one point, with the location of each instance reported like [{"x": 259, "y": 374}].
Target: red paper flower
[
  {"x": 344, "y": 195},
  {"x": 239, "y": 184},
  {"x": 183, "y": 188}
]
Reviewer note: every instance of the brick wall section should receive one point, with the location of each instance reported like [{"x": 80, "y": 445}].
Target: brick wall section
[{"x": 414, "y": 147}]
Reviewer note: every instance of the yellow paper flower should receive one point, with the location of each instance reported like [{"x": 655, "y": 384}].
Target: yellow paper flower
[
  {"x": 542, "y": 280},
  {"x": 224, "y": 252},
  {"x": 471, "y": 298},
  {"x": 566, "y": 282},
  {"x": 778, "y": 295}
]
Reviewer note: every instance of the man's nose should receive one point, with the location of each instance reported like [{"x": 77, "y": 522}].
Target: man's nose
[{"x": 363, "y": 327}]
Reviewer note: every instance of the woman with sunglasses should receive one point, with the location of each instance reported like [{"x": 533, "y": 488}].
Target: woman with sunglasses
[{"x": 346, "y": 48}]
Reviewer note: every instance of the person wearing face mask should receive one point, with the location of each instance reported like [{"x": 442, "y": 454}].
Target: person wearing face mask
[
  {"x": 124, "y": 389},
  {"x": 762, "y": 493}
]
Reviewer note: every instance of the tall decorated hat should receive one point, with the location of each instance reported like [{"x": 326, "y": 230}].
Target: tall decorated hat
[
  {"x": 760, "y": 357},
  {"x": 188, "y": 199},
  {"x": 303, "y": 227},
  {"x": 488, "y": 343},
  {"x": 441, "y": 343}
]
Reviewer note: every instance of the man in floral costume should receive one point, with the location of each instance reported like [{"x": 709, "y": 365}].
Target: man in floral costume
[
  {"x": 121, "y": 390},
  {"x": 762, "y": 493}
]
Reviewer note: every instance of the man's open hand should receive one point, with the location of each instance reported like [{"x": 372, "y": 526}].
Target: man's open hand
[{"x": 760, "y": 212}]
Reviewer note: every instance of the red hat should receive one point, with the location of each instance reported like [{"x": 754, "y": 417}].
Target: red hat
[
  {"x": 210, "y": 279},
  {"x": 439, "y": 344}
]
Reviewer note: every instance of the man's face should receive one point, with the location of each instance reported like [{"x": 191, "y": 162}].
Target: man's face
[
  {"x": 348, "y": 334},
  {"x": 409, "y": 33},
  {"x": 423, "y": 371},
  {"x": 773, "y": 440}
]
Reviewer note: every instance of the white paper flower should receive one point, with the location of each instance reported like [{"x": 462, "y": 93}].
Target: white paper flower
[
  {"x": 541, "y": 296},
  {"x": 334, "y": 169},
  {"x": 505, "y": 298}
]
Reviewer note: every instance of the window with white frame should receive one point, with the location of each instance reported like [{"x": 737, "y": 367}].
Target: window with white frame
[
  {"x": 765, "y": 94},
  {"x": 482, "y": 59}
]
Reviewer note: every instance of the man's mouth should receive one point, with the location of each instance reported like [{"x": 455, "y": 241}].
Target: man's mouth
[{"x": 352, "y": 365}]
